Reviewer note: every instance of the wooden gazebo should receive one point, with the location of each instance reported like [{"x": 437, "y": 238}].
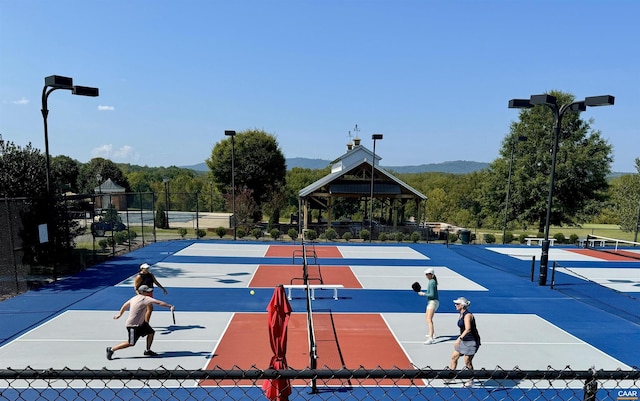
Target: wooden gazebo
[{"x": 350, "y": 177}]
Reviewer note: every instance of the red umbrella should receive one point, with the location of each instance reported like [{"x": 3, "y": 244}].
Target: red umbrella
[{"x": 279, "y": 311}]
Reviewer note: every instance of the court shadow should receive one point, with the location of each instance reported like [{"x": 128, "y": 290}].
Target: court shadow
[
  {"x": 494, "y": 385},
  {"x": 442, "y": 339},
  {"x": 173, "y": 327},
  {"x": 180, "y": 354},
  {"x": 320, "y": 390},
  {"x": 171, "y": 354}
]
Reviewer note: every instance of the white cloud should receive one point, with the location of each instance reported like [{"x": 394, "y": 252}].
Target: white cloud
[
  {"x": 106, "y": 108},
  {"x": 122, "y": 154},
  {"x": 21, "y": 101},
  {"x": 102, "y": 151}
]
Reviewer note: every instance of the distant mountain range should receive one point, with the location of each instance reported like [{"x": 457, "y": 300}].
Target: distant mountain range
[{"x": 452, "y": 167}]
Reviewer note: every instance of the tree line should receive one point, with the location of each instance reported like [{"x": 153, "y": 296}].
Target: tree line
[{"x": 266, "y": 190}]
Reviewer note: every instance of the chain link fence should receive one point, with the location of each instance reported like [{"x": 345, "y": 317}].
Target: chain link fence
[
  {"x": 41, "y": 241},
  {"x": 344, "y": 384}
]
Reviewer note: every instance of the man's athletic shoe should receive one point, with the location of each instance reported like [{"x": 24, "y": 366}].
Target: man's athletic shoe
[
  {"x": 150, "y": 353},
  {"x": 109, "y": 353}
]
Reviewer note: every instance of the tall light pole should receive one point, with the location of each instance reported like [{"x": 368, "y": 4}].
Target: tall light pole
[
  {"x": 166, "y": 199},
  {"x": 375, "y": 137},
  {"x": 558, "y": 112},
  {"x": 506, "y": 203},
  {"x": 52, "y": 83},
  {"x": 232, "y": 134}
]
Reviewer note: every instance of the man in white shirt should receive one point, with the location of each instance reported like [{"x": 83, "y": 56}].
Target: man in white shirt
[{"x": 136, "y": 324}]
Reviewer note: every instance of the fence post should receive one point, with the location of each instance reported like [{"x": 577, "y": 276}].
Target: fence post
[
  {"x": 153, "y": 213},
  {"x": 141, "y": 217},
  {"x": 590, "y": 388},
  {"x": 553, "y": 274}
]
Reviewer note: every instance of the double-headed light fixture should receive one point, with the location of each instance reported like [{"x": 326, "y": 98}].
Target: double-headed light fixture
[
  {"x": 52, "y": 83},
  {"x": 558, "y": 112}
]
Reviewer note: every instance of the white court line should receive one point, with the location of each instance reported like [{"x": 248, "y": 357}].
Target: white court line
[
  {"x": 526, "y": 253},
  {"x": 380, "y": 252},
  {"x": 401, "y": 278},
  {"x": 217, "y": 249},
  {"x": 526, "y": 341},
  {"x": 200, "y": 275}
]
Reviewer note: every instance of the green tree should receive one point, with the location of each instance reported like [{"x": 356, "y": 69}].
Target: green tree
[
  {"x": 23, "y": 174},
  {"x": 582, "y": 165},
  {"x": 625, "y": 199},
  {"x": 64, "y": 172},
  {"x": 22, "y": 171},
  {"x": 259, "y": 165},
  {"x": 296, "y": 179},
  {"x": 88, "y": 175}
]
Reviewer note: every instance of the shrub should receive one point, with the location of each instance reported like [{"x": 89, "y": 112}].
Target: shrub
[
  {"x": 182, "y": 231},
  {"x": 399, "y": 236},
  {"x": 382, "y": 237},
  {"x": 311, "y": 235},
  {"x": 559, "y": 237},
  {"x": 120, "y": 237},
  {"x": 293, "y": 234},
  {"x": 256, "y": 232},
  {"x": 364, "y": 234},
  {"x": 453, "y": 237},
  {"x": 201, "y": 233},
  {"x": 331, "y": 234},
  {"x": 347, "y": 236},
  {"x": 132, "y": 235},
  {"x": 103, "y": 244},
  {"x": 489, "y": 238},
  {"x": 522, "y": 239},
  {"x": 573, "y": 238},
  {"x": 275, "y": 233},
  {"x": 508, "y": 237},
  {"x": 415, "y": 237},
  {"x": 221, "y": 231},
  {"x": 241, "y": 233}
]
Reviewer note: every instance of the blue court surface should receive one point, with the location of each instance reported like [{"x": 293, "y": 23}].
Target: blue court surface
[{"x": 591, "y": 318}]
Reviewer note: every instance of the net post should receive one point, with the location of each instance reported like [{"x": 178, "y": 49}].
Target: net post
[
  {"x": 533, "y": 267},
  {"x": 553, "y": 274}
]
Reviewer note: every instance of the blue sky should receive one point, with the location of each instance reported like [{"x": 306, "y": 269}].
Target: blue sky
[{"x": 434, "y": 77}]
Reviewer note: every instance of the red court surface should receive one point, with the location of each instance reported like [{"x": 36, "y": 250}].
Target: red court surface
[
  {"x": 272, "y": 275},
  {"x": 280, "y": 251},
  {"x": 619, "y": 256},
  {"x": 344, "y": 339}
]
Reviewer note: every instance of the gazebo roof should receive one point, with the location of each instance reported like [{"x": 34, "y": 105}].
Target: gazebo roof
[
  {"x": 355, "y": 179},
  {"x": 109, "y": 187}
]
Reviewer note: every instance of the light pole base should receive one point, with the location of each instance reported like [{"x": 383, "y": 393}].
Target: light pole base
[{"x": 544, "y": 263}]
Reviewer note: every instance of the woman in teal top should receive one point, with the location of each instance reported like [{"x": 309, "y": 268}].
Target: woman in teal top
[{"x": 432, "y": 302}]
